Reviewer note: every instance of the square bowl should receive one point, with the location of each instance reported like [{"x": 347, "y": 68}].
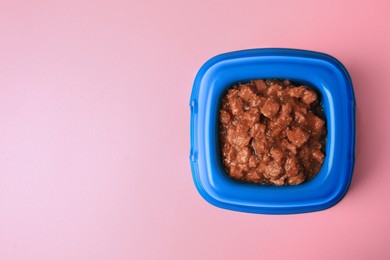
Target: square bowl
[{"x": 321, "y": 71}]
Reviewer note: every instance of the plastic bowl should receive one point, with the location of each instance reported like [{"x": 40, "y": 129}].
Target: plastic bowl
[{"x": 331, "y": 80}]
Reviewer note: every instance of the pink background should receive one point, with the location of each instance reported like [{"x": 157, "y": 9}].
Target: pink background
[{"x": 94, "y": 133}]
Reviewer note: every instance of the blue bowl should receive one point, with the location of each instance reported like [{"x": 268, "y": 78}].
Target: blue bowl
[{"x": 323, "y": 72}]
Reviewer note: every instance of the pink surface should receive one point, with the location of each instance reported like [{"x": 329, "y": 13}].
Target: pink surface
[{"x": 94, "y": 136}]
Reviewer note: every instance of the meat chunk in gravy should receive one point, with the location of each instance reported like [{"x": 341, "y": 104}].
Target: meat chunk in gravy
[{"x": 272, "y": 132}]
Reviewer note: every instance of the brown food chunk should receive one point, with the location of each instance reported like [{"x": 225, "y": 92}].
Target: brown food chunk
[
  {"x": 289, "y": 146},
  {"x": 229, "y": 154},
  {"x": 259, "y": 145},
  {"x": 249, "y": 118},
  {"x": 291, "y": 166},
  {"x": 246, "y": 93},
  {"x": 309, "y": 97},
  {"x": 273, "y": 170},
  {"x": 236, "y": 105},
  {"x": 260, "y": 85},
  {"x": 299, "y": 118},
  {"x": 236, "y": 173},
  {"x": 272, "y": 132},
  {"x": 224, "y": 117},
  {"x": 318, "y": 155},
  {"x": 282, "y": 121},
  {"x": 254, "y": 176},
  {"x": 253, "y": 161},
  {"x": 237, "y": 137},
  {"x": 296, "y": 92},
  {"x": 256, "y": 101},
  {"x": 274, "y": 90},
  {"x": 270, "y": 108},
  {"x": 297, "y": 179},
  {"x": 257, "y": 129},
  {"x": 277, "y": 154},
  {"x": 297, "y": 136},
  {"x": 315, "y": 124},
  {"x": 243, "y": 155}
]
